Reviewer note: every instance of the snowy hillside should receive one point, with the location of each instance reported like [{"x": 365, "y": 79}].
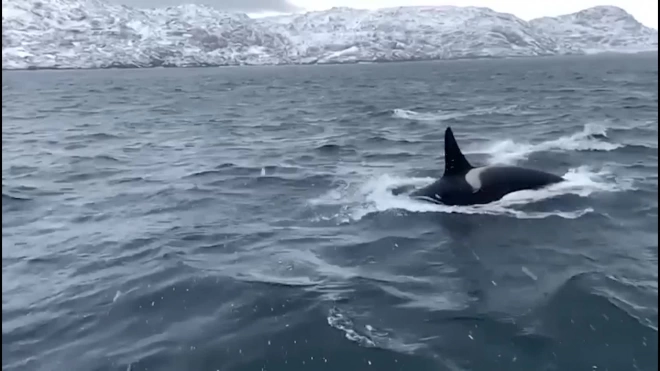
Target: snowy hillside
[
  {"x": 598, "y": 29},
  {"x": 93, "y": 34},
  {"x": 96, "y": 34},
  {"x": 409, "y": 33}
]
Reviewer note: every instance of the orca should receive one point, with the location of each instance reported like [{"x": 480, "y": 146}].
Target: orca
[{"x": 463, "y": 184}]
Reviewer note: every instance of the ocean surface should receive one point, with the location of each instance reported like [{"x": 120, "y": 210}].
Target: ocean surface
[{"x": 242, "y": 218}]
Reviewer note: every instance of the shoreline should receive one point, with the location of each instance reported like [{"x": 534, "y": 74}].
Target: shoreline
[{"x": 133, "y": 67}]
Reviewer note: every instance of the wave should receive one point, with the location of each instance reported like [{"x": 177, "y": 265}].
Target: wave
[
  {"x": 591, "y": 138},
  {"x": 13, "y": 202},
  {"x": 610, "y": 311},
  {"x": 15, "y": 198},
  {"x": 603, "y": 318},
  {"x": 441, "y": 115},
  {"x": 242, "y": 170},
  {"x": 368, "y": 336}
]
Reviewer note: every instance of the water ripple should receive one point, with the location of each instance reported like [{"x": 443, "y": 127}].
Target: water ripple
[{"x": 256, "y": 218}]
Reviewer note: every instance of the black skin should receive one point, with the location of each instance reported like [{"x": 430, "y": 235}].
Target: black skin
[{"x": 496, "y": 181}]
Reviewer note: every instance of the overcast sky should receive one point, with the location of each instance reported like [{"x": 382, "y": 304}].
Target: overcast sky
[{"x": 646, "y": 11}]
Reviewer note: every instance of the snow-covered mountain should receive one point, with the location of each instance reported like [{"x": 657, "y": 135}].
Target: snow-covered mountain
[
  {"x": 96, "y": 34},
  {"x": 93, "y": 34},
  {"x": 598, "y": 29},
  {"x": 408, "y": 33}
]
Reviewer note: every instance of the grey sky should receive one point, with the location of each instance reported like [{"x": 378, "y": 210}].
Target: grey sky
[{"x": 246, "y": 6}]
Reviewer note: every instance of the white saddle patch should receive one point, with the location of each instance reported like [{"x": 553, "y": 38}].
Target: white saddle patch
[{"x": 473, "y": 178}]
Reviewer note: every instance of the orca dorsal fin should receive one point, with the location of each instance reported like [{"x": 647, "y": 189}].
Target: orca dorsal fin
[{"x": 455, "y": 162}]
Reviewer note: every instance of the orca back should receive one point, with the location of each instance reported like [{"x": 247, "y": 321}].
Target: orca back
[
  {"x": 463, "y": 184},
  {"x": 501, "y": 180}
]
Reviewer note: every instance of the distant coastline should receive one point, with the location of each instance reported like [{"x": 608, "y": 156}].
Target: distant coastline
[{"x": 576, "y": 55}]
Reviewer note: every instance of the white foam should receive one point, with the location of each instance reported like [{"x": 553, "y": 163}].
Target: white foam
[
  {"x": 509, "y": 152},
  {"x": 341, "y": 322},
  {"x": 590, "y": 138},
  {"x": 421, "y": 116},
  {"x": 369, "y": 336},
  {"x": 440, "y": 115}
]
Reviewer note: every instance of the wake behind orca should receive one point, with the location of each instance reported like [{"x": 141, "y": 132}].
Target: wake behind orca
[{"x": 463, "y": 184}]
